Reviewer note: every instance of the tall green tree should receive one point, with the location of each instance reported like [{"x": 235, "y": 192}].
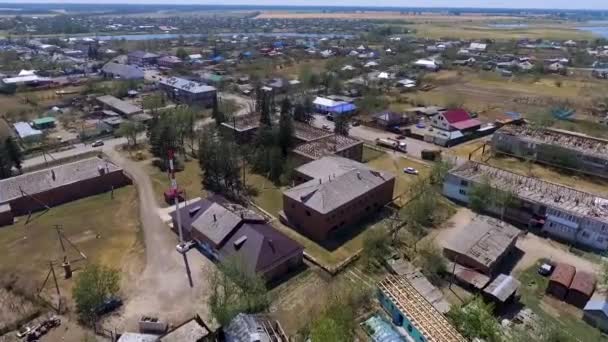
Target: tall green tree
[
  {"x": 181, "y": 53},
  {"x": 286, "y": 129},
  {"x": 92, "y": 286},
  {"x": 342, "y": 124},
  {"x": 220, "y": 163},
  {"x": 475, "y": 320},
  {"x": 130, "y": 130},
  {"x": 301, "y": 114},
  {"x": 234, "y": 290},
  {"x": 14, "y": 152}
]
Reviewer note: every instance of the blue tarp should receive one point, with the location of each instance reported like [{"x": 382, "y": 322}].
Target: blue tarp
[{"x": 342, "y": 108}]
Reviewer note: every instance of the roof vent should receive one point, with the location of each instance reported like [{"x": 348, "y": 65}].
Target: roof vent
[
  {"x": 240, "y": 241},
  {"x": 214, "y": 218},
  {"x": 53, "y": 174},
  {"x": 194, "y": 210},
  {"x": 358, "y": 174}
]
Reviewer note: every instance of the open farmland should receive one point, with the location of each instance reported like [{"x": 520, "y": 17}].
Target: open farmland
[
  {"x": 368, "y": 15},
  {"x": 466, "y": 30}
]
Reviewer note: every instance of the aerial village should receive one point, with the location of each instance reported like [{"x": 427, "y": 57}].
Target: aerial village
[{"x": 354, "y": 181}]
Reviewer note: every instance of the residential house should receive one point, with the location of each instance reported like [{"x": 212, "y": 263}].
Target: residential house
[
  {"x": 595, "y": 312},
  {"x": 225, "y": 230},
  {"x": 119, "y": 106},
  {"x": 248, "y": 328},
  {"x": 455, "y": 120},
  {"x": 478, "y": 47},
  {"x": 427, "y": 64},
  {"x": 332, "y": 107},
  {"x": 26, "y": 133}
]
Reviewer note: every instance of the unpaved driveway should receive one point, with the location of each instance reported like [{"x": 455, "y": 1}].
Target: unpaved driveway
[{"x": 163, "y": 288}]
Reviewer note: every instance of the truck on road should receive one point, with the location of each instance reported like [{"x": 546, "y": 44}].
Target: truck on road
[{"x": 392, "y": 144}]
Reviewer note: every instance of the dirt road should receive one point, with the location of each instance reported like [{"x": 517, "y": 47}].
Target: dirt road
[{"x": 163, "y": 288}]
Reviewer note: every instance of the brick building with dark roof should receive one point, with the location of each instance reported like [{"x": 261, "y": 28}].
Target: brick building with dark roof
[
  {"x": 338, "y": 194},
  {"x": 224, "y": 230}
]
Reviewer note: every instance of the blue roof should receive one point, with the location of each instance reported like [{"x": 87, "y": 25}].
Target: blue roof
[
  {"x": 597, "y": 305},
  {"x": 382, "y": 331},
  {"x": 343, "y": 108}
]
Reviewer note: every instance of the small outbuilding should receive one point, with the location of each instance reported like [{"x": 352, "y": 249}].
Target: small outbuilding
[
  {"x": 502, "y": 289},
  {"x": 581, "y": 289},
  {"x": 561, "y": 279},
  {"x": 595, "y": 312}
]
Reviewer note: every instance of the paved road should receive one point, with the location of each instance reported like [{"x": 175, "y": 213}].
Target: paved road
[{"x": 368, "y": 134}]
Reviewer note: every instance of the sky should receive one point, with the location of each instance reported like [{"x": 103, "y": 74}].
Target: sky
[{"x": 552, "y": 4}]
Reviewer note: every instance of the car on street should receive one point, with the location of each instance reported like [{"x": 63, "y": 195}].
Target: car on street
[
  {"x": 410, "y": 170},
  {"x": 98, "y": 143}
]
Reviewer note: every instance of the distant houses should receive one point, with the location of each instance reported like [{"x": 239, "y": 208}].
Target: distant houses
[
  {"x": 122, "y": 71},
  {"x": 142, "y": 58}
]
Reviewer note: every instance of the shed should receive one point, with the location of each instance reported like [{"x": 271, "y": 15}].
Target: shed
[
  {"x": 581, "y": 289},
  {"x": 503, "y": 288},
  {"x": 45, "y": 122},
  {"x": 560, "y": 280},
  {"x": 595, "y": 312}
]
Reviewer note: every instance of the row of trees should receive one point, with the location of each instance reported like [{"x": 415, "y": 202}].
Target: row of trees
[
  {"x": 220, "y": 163},
  {"x": 172, "y": 130},
  {"x": 10, "y": 156}
]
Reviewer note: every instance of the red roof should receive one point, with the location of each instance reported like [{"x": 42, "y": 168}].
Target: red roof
[
  {"x": 456, "y": 115},
  {"x": 460, "y": 125},
  {"x": 563, "y": 274},
  {"x": 583, "y": 282}
]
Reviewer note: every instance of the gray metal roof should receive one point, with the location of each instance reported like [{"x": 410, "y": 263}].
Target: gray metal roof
[
  {"x": 125, "y": 71},
  {"x": 248, "y": 328},
  {"x": 190, "y": 331},
  {"x": 46, "y": 179},
  {"x": 216, "y": 223},
  {"x": 187, "y": 85},
  {"x": 124, "y": 107},
  {"x": 502, "y": 287},
  {"x": 137, "y": 337},
  {"x": 333, "y": 166},
  {"x": 324, "y": 196},
  {"x": 598, "y": 302},
  {"x": 485, "y": 240}
]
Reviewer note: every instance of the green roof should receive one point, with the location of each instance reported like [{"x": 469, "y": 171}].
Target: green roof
[{"x": 44, "y": 120}]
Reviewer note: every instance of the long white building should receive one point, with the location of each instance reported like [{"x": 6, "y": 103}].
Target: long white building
[{"x": 568, "y": 214}]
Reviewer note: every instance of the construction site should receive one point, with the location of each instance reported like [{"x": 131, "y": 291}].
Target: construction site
[
  {"x": 559, "y": 148},
  {"x": 411, "y": 311},
  {"x": 569, "y": 214}
]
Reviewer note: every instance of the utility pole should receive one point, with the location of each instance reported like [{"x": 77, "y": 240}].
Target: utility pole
[{"x": 175, "y": 190}]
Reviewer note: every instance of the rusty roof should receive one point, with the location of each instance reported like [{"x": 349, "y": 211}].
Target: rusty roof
[
  {"x": 583, "y": 282},
  {"x": 563, "y": 274}
]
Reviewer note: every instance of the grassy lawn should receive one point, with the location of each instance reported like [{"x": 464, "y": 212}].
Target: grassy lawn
[
  {"x": 106, "y": 230},
  {"x": 395, "y": 165},
  {"x": 552, "y": 311},
  {"x": 189, "y": 179}
]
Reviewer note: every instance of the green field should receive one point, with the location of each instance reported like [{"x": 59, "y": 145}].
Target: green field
[{"x": 480, "y": 31}]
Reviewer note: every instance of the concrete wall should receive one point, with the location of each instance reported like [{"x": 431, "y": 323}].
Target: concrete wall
[
  {"x": 69, "y": 192},
  {"x": 320, "y": 226}
]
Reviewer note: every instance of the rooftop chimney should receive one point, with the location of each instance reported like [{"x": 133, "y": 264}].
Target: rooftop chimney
[
  {"x": 358, "y": 174},
  {"x": 53, "y": 174},
  {"x": 214, "y": 218}
]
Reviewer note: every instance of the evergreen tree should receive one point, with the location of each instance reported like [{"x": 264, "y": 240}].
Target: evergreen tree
[
  {"x": 286, "y": 129},
  {"x": 342, "y": 125},
  {"x": 266, "y": 109},
  {"x": 13, "y": 152},
  {"x": 5, "y": 163}
]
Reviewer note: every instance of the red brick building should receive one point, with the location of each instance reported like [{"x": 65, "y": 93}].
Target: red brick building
[
  {"x": 60, "y": 184},
  {"x": 336, "y": 193}
]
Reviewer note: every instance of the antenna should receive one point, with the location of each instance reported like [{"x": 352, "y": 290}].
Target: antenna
[{"x": 174, "y": 188}]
